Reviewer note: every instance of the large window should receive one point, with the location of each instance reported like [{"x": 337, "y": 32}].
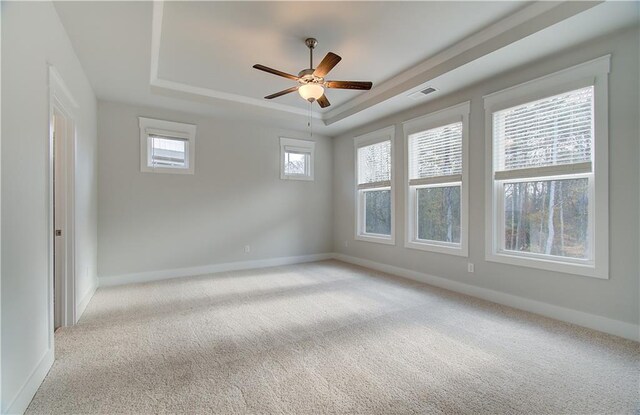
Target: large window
[
  {"x": 549, "y": 172},
  {"x": 166, "y": 146},
  {"x": 374, "y": 178},
  {"x": 437, "y": 200},
  {"x": 296, "y": 159}
]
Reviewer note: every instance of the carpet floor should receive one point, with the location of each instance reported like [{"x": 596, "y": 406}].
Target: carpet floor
[{"x": 327, "y": 337}]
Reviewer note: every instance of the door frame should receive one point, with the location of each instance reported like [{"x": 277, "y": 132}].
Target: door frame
[{"x": 61, "y": 100}]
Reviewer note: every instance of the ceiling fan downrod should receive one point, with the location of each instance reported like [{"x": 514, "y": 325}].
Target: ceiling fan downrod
[{"x": 311, "y": 44}]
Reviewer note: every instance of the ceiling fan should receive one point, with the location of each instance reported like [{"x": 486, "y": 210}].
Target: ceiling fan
[{"x": 311, "y": 83}]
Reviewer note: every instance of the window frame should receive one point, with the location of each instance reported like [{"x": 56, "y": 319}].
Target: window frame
[
  {"x": 592, "y": 73},
  {"x": 294, "y": 145},
  {"x": 454, "y": 114},
  {"x": 374, "y": 137},
  {"x": 170, "y": 130}
]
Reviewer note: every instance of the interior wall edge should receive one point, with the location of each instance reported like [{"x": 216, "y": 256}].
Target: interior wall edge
[{"x": 27, "y": 391}]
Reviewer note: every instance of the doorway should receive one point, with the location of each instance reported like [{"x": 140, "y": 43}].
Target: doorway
[
  {"x": 60, "y": 123},
  {"x": 62, "y": 141}
]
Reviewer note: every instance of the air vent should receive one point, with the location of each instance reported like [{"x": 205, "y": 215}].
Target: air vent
[{"x": 422, "y": 93}]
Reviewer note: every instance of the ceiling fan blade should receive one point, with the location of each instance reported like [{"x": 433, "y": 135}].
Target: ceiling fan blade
[
  {"x": 323, "y": 101},
  {"x": 283, "y": 92},
  {"x": 275, "y": 72},
  {"x": 363, "y": 85},
  {"x": 327, "y": 64}
]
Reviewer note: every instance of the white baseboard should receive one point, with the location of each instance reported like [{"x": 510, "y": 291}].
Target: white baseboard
[
  {"x": 208, "y": 269},
  {"x": 25, "y": 394},
  {"x": 580, "y": 318},
  {"x": 84, "y": 302}
]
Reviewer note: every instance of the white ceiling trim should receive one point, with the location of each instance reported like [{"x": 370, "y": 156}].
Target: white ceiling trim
[{"x": 157, "y": 82}]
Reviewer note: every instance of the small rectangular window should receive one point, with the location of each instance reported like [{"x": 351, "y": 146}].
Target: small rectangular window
[
  {"x": 166, "y": 146},
  {"x": 296, "y": 159},
  {"x": 374, "y": 173},
  {"x": 167, "y": 152},
  {"x": 548, "y": 201},
  {"x": 436, "y": 189}
]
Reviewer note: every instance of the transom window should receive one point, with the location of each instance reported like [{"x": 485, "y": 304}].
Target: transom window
[
  {"x": 548, "y": 199},
  {"x": 166, "y": 146},
  {"x": 374, "y": 174},
  {"x": 436, "y": 188},
  {"x": 296, "y": 159}
]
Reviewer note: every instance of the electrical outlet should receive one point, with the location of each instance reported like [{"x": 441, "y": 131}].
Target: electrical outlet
[
  {"x": 247, "y": 249},
  {"x": 470, "y": 267},
  {"x": 346, "y": 244}
]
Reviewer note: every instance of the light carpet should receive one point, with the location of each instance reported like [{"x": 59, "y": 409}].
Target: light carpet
[{"x": 328, "y": 337}]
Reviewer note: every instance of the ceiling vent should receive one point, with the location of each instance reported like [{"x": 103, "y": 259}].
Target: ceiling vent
[{"x": 422, "y": 93}]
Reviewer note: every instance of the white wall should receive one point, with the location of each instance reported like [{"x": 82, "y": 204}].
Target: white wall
[
  {"x": 32, "y": 38},
  {"x": 162, "y": 222},
  {"x": 616, "y": 298}
]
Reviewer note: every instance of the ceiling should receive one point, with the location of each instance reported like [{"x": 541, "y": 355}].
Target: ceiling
[{"x": 197, "y": 56}]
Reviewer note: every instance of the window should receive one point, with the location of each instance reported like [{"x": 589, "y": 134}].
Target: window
[
  {"x": 166, "y": 146},
  {"x": 548, "y": 172},
  {"x": 437, "y": 196},
  {"x": 296, "y": 159},
  {"x": 374, "y": 187}
]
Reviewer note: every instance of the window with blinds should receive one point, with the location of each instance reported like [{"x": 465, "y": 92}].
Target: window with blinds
[
  {"x": 167, "y": 152},
  {"x": 550, "y": 136},
  {"x": 166, "y": 146},
  {"x": 435, "y": 155},
  {"x": 435, "y": 183},
  {"x": 374, "y": 166},
  {"x": 543, "y": 154},
  {"x": 547, "y": 172}
]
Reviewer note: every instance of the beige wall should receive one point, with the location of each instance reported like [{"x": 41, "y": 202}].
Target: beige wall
[
  {"x": 616, "y": 298},
  {"x": 158, "y": 222},
  {"x": 32, "y": 38}
]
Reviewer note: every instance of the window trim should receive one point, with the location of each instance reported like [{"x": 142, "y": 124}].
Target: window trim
[
  {"x": 594, "y": 72},
  {"x": 298, "y": 146},
  {"x": 450, "y": 115},
  {"x": 169, "y": 129},
  {"x": 374, "y": 137}
]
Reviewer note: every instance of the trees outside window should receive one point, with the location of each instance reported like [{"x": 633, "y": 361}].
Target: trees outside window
[
  {"x": 437, "y": 195},
  {"x": 374, "y": 187},
  {"x": 549, "y": 178}
]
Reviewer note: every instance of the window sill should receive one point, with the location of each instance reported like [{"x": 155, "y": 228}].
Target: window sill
[
  {"x": 376, "y": 239},
  {"x": 441, "y": 249},
  {"x": 585, "y": 270},
  {"x": 291, "y": 177},
  {"x": 166, "y": 170}
]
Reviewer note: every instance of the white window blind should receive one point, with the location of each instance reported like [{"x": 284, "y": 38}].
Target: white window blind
[
  {"x": 435, "y": 155},
  {"x": 551, "y": 136},
  {"x": 167, "y": 151},
  {"x": 374, "y": 165}
]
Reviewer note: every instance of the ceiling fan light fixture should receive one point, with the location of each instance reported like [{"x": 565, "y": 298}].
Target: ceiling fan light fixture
[{"x": 311, "y": 92}]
